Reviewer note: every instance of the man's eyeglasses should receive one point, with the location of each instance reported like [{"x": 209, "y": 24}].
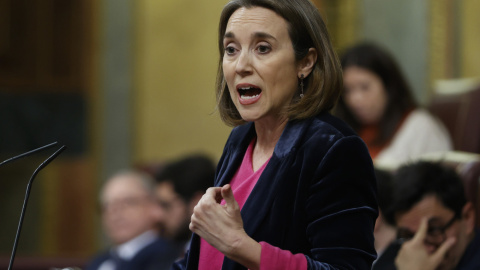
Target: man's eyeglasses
[
  {"x": 168, "y": 205},
  {"x": 435, "y": 233},
  {"x": 124, "y": 204}
]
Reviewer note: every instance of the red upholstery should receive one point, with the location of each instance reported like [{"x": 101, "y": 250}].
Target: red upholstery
[{"x": 460, "y": 112}]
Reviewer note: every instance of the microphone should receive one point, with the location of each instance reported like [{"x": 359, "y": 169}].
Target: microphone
[{"x": 29, "y": 186}]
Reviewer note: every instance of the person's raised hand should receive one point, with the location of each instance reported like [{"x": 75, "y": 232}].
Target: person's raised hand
[
  {"x": 220, "y": 225},
  {"x": 414, "y": 255}
]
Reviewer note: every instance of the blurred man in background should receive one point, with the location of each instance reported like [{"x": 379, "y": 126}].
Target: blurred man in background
[
  {"x": 130, "y": 215},
  {"x": 180, "y": 185},
  {"x": 434, "y": 220}
]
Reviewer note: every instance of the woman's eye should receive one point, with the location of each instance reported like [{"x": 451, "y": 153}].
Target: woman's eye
[
  {"x": 263, "y": 49},
  {"x": 365, "y": 86},
  {"x": 229, "y": 50}
]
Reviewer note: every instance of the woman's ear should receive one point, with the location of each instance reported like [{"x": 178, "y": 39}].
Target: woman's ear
[{"x": 306, "y": 65}]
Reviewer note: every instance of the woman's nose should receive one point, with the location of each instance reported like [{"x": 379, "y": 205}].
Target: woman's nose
[
  {"x": 354, "y": 98},
  {"x": 243, "y": 66},
  {"x": 357, "y": 95}
]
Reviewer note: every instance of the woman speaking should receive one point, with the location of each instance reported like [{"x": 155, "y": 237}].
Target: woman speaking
[{"x": 295, "y": 187}]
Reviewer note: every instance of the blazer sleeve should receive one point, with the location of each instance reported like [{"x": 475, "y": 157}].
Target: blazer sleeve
[{"x": 341, "y": 208}]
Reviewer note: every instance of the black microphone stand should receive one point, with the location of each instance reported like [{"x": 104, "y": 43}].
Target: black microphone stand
[
  {"x": 29, "y": 186},
  {"x": 28, "y": 153}
]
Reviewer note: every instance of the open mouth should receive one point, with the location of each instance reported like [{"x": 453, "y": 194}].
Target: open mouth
[{"x": 249, "y": 92}]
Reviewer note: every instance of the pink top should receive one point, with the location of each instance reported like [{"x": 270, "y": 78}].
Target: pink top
[{"x": 271, "y": 257}]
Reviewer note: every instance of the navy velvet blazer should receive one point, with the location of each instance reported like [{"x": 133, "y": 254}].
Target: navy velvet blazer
[{"x": 316, "y": 196}]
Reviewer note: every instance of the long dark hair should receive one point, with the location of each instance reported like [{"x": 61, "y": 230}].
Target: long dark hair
[{"x": 400, "y": 100}]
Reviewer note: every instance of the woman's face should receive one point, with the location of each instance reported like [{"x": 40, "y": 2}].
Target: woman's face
[
  {"x": 259, "y": 63},
  {"x": 364, "y": 94}
]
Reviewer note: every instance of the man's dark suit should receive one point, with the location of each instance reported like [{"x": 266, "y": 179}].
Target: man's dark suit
[{"x": 158, "y": 255}]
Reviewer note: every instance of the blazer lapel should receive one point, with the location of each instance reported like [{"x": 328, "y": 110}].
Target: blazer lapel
[
  {"x": 236, "y": 148},
  {"x": 260, "y": 201}
]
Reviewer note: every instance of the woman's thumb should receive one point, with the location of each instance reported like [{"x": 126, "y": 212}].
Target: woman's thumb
[{"x": 227, "y": 195}]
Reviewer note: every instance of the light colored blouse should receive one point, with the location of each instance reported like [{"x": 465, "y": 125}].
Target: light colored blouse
[{"x": 419, "y": 133}]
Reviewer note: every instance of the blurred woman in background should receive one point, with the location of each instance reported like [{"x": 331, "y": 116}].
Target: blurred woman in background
[{"x": 378, "y": 103}]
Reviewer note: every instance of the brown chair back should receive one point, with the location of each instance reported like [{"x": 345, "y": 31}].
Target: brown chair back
[{"x": 460, "y": 112}]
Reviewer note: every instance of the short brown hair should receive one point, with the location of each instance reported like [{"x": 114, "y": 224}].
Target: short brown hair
[{"x": 306, "y": 29}]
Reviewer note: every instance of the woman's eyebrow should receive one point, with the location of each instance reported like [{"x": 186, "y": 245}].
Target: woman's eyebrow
[
  {"x": 228, "y": 35},
  {"x": 255, "y": 35},
  {"x": 263, "y": 35}
]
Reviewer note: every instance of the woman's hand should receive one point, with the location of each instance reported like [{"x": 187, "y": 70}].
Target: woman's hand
[{"x": 222, "y": 227}]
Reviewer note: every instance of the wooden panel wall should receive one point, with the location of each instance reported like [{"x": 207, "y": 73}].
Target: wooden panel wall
[{"x": 46, "y": 81}]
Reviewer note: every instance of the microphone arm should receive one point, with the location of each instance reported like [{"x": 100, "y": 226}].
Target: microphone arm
[
  {"x": 27, "y": 153},
  {"x": 27, "y": 193}
]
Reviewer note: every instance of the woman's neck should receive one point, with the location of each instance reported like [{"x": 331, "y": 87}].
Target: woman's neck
[{"x": 268, "y": 134}]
